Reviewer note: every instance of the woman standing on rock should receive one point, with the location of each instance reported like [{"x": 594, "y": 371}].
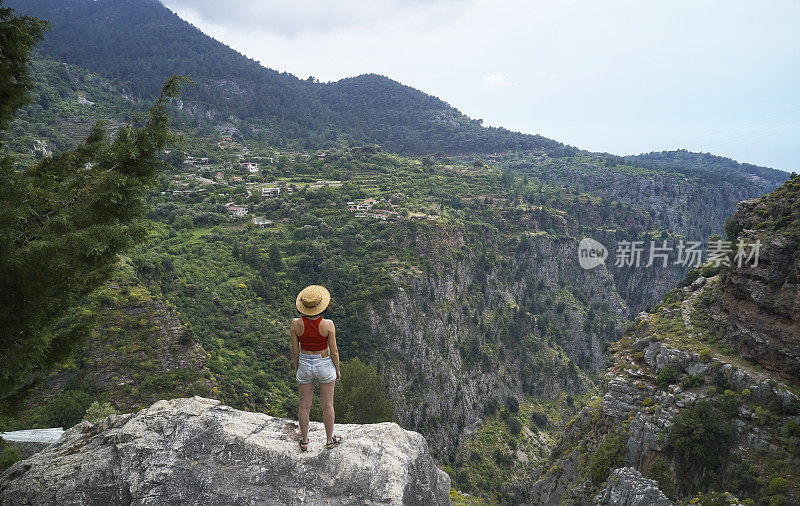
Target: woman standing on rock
[{"x": 316, "y": 358}]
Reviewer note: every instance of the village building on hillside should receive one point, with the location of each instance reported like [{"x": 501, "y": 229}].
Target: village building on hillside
[
  {"x": 270, "y": 192},
  {"x": 251, "y": 166},
  {"x": 364, "y": 205},
  {"x": 261, "y": 221},
  {"x": 237, "y": 210}
]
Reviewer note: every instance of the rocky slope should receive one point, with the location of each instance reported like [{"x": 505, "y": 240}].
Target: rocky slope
[
  {"x": 138, "y": 352},
  {"x": 681, "y": 403},
  {"x": 196, "y": 451},
  {"x": 463, "y": 335},
  {"x": 759, "y": 306}
]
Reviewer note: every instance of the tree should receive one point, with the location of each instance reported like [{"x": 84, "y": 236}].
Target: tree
[
  {"x": 275, "y": 257},
  {"x": 18, "y": 35},
  {"x": 63, "y": 221},
  {"x": 702, "y": 435},
  {"x": 361, "y": 396}
]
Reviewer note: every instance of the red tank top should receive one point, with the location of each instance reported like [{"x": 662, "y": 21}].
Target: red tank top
[{"x": 312, "y": 340}]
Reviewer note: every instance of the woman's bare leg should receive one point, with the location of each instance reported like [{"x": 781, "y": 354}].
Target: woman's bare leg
[
  {"x": 306, "y": 394},
  {"x": 328, "y": 416}
]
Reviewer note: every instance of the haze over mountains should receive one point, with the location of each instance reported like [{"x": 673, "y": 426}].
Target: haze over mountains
[{"x": 140, "y": 43}]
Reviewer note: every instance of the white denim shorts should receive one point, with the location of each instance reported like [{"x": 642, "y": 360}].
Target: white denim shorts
[{"x": 311, "y": 368}]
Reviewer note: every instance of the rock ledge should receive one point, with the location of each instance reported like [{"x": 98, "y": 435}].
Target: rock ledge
[{"x": 197, "y": 451}]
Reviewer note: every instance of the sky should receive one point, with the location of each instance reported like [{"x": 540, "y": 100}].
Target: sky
[{"x": 620, "y": 76}]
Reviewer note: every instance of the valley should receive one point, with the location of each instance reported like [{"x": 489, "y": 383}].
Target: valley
[{"x": 451, "y": 252}]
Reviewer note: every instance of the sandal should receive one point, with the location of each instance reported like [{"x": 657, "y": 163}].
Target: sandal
[
  {"x": 335, "y": 440},
  {"x": 303, "y": 446}
]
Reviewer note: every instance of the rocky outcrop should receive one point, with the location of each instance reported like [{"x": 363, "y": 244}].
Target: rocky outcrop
[
  {"x": 627, "y": 487},
  {"x": 759, "y": 307},
  {"x": 197, "y": 451},
  {"x": 693, "y": 411},
  {"x": 652, "y": 379},
  {"x": 466, "y": 335}
]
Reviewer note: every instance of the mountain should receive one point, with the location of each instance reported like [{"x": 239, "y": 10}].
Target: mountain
[
  {"x": 470, "y": 301},
  {"x": 140, "y": 43},
  {"x": 701, "y": 394},
  {"x": 472, "y": 306}
]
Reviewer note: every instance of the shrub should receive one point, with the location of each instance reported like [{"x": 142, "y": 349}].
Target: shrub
[
  {"x": 539, "y": 419},
  {"x": 361, "y": 395},
  {"x": 662, "y": 474},
  {"x": 68, "y": 408},
  {"x": 692, "y": 381},
  {"x": 514, "y": 425},
  {"x": 491, "y": 407},
  {"x": 729, "y": 403},
  {"x": 667, "y": 376},
  {"x": 97, "y": 412},
  {"x": 608, "y": 456},
  {"x": 8, "y": 455},
  {"x": 512, "y": 404},
  {"x": 702, "y": 434},
  {"x": 777, "y": 486}
]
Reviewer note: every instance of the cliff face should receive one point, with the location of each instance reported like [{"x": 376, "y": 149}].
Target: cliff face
[
  {"x": 466, "y": 334},
  {"x": 196, "y": 451},
  {"x": 701, "y": 394},
  {"x": 759, "y": 307}
]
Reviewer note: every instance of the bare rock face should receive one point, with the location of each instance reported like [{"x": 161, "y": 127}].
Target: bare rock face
[
  {"x": 627, "y": 487},
  {"x": 197, "y": 451}
]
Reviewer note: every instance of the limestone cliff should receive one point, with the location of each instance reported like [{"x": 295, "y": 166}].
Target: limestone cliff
[
  {"x": 759, "y": 307},
  {"x": 466, "y": 334},
  {"x": 701, "y": 393},
  {"x": 197, "y": 451}
]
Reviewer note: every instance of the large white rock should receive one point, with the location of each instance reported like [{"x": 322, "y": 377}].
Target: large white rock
[
  {"x": 627, "y": 487},
  {"x": 197, "y": 451}
]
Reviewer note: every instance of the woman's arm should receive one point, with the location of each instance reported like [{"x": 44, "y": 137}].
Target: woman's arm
[
  {"x": 334, "y": 349},
  {"x": 295, "y": 345}
]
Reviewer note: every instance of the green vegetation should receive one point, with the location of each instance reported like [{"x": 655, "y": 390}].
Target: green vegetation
[
  {"x": 663, "y": 475},
  {"x": 8, "y": 455},
  {"x": 703, "y": 436},
  {"x": 667, "y": 376},
  {"x": 64, "y": 222},
  {"x": 361, "y": 395},
  {"x": 275, "y": 107},
  {"x": 497, "y": 455},
  {"x": 606, "y": 457},
  {"x": 97, "y": 412}
]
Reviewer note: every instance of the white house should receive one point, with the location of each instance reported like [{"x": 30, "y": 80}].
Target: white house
[
  {"x": 261, "y": 221},
  {"x": 270, "y": 192},
  {"x": 237, "y": 211}
]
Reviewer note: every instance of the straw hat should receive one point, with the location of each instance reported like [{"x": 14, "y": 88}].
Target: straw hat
[{"x": 313, "y": 300}]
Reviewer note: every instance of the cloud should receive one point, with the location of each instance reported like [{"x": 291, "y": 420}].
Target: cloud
[
  {"x": 293, "y": 18},
  {"x": 621, "y": 76},
  {"x": 497, "y": 80}
]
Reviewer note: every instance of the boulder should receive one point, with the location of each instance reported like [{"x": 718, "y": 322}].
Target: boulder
[
  {"x": 627, "y": 487},
  {"x": 197, "y": 451}
]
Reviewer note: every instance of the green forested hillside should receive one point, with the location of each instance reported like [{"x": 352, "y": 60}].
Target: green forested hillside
[
  {"x": 140, "y": 43},
  {"x": 460, "y": 285}
]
